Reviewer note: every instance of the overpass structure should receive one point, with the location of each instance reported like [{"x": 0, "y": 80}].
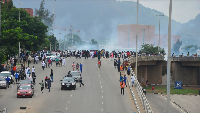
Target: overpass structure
[
  {"x": 149, "y": 68},
  {"x": 186, "y": 69}
]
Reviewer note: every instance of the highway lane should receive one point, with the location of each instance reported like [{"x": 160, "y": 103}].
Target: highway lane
[
  {"x": 159, "y": 104},
  {"x": 101, "y": 92}
]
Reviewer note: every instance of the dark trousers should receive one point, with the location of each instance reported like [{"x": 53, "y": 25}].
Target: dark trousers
[
  {"x": 81, "y": 83},
  {"x": 49, "y": 88},
  {"x": 16, "y": 79},
  {"x": 42, "y": 88},
  {"x": 34, "y": 80},
  {"x": 7, "y": 85},
  {"x": 118, "y": 69},
  {"x": 122, "y": 89}
]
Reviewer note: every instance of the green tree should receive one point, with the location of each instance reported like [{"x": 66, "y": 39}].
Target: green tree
[
  {"x": 76, "y": 40},
  {"x": 150, "y": 49},
  {"x": 53, "y": 42},
  {"x": 45, "y": 15}
]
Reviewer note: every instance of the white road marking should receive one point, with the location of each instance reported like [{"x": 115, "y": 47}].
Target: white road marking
[
  {"x": 101, "y": 109},
  {"x": 36, "y": 95},
  {"x": 102, "y": 91},
  {"x": 30, "y": 102},
  {"x": 71, "y": 95},
  {"x": 102, "y": 102},
  {"x": 66, "y": 108},
  {"x": 69, "y": 102},
  {"x": 100, "y": 82},
  {"x": 99, "y": 75},
  {"x": 101, "y": 86},
  {"x": 102, "y": 96}
]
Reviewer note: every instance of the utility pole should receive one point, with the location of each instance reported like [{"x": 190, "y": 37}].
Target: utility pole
[
  {"x": 64, "y": 43},
  {"x": 169, "y": 58},
  {"x": 143, "y": 35},
  {"x": 19, "y": 42},
  {"x": 136, "y": 40},
  {"x": 59, "y": 41},
  {"x": 159, "y": 32},
  {"x": 128, "y": 38}
]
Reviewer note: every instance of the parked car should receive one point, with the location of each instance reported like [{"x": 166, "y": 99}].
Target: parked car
[
  {"x": 75, "y": 75},
  {"x": 25, "y": 90},
  {"x": 2, "y": 82},
  {"x": 68, "y": 82}
]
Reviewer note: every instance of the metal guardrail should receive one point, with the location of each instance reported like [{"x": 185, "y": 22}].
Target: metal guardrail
[
  {"x": 141, "y": 94},
  {"x": 4, "y": 110}
]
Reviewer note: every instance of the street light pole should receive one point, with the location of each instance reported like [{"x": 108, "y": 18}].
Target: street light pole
[
  {"x": 169, "y": 58},
  {"x": 136, "y": 40},
  {"x": 159, "y": 32},
  {"x": 59, "y": 41}
]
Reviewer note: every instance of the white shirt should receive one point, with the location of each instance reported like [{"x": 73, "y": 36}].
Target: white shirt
[
  {"x": 33, "y": 69},
  {"x": 132, "y": 78},
  {"x": 63, "y": 60},
  {"x": 43, "y": 64}
]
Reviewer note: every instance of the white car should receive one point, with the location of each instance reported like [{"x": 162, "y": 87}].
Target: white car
[
  {"x": 2, "y": 82},
  {"x": 5, "y": 74},
  {"x": 53, "y": 56}
]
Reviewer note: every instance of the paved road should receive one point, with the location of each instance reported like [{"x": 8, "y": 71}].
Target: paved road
[
  {"x": 159, "y": 104},
  {"x": 101, "y": 92}
]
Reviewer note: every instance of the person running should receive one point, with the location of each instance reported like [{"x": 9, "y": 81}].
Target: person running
[
  {"x": 81, "y": 65},
  {"x": 73, "y": 66},
  {"x": 81, "y": 80},
  {"x": 43, "y": 65},
  {"x": 64, "y": 63},
  {"x": 132, "y": 79},
  {"x": 122, "y": 84},
  {"x": 51, "y": 75},
  {"x": 49, "y": 63},
  {"x": 77, "y": 67},
  {"x": 42, "y": 85}
]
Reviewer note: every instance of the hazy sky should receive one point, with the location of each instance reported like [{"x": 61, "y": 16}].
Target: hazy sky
[{"x": 182, "y": 10}]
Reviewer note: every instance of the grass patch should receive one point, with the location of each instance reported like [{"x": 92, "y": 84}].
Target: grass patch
[{"x": 163, "y": 89}]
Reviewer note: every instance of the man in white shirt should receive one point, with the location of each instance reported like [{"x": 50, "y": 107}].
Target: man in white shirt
[
  {"x": 132, "y": 79},
  {"x": 43, "y": 65},
  {"x": 33, "y": 70},
  {"x": 64, "y": 63}
]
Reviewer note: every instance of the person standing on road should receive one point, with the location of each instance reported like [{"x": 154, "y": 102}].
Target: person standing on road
[
  {"x": 51, "y": 75},
  {"x": 81, "y": 65},
  {"x": 11, "y": 83},
  {"x": 99, "y": 64},
  {"x": 64, "y": 63},
  {"x": 34, "y": 77},
  {"x": 30, "y": 78},
  {"x": 132, "y": 79},
  {"x": 33, "y": 70},
  {"x": 77, "y": 67},
  {"x": 122, "y": 84},
  {"x": 7, "y": 82},
  {"x": 43, "y": 65},
  {"x": 49, "y": 63},
  {"x": 57, "y": 60},
  {"x": 28, "y": 73},
  {"x": 121, "y": 77},
  {"x": 73, "y": 66},
  {"x": 42, "y": 85},
  {"x": 125, "y": 78},
  {"x": 16, "y": 77},
  {"x": 49, "y": 84},
  {"x": 81, "y": 80}
]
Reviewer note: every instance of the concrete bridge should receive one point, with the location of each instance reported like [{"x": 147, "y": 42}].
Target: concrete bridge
[
  {"x": 149, "y": 68},
  {"x": 185, "y": 69}
]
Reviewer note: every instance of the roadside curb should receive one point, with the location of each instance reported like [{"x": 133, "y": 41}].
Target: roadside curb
[
  {"x": 174, "y": 94},
  {"x": 173, "y": 102}
]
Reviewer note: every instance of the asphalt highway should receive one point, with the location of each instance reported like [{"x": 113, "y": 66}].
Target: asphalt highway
[{"x": 100, "y": 94}]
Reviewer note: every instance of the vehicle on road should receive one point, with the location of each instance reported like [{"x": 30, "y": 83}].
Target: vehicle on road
[
  {"x": 5, "y": 74},
  {"x": 53, "y": 55},
  {"x": 2, "y": 82},
  {"x": 68, "y": 82},
  {"x": 25, "y": 90},
  {"x": 26, "y": 81},
  {"x": 75, "y": 75}
]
